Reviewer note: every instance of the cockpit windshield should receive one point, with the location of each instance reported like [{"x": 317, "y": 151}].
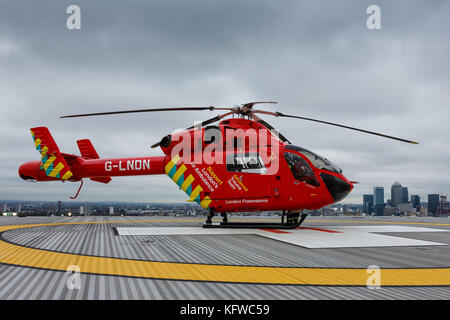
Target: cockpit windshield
[{"x": 316, "y": 160}]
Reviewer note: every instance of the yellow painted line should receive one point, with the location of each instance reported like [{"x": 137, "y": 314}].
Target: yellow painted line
[{"x": 38, "y": 258}]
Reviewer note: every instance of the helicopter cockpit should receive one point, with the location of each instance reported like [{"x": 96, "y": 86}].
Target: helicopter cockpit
[{"x": 317, "y": 161}]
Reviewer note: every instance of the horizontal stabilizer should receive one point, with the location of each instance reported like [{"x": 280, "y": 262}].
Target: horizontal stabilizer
[{"x": 87, "y": 150}]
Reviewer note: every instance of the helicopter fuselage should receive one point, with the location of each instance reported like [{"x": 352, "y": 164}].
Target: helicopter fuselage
[{"x": 239, "y": 165}]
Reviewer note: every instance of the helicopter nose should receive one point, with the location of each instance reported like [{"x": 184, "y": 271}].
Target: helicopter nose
[{"x": 337, "y": 187}]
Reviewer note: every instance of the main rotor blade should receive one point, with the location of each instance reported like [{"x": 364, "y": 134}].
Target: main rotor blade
[
  {"x": 251, "y": 104},
  {"x": 268, "y": 126},
  {"x": 279, "y": 114},
  {"x": 210, "y": 108}
]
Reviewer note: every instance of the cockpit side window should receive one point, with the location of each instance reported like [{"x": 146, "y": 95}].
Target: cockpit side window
[
  {"x": 317, "y": 161},
  {"x": 300, "y": 169},
  {"x": 249, "y": 162}
]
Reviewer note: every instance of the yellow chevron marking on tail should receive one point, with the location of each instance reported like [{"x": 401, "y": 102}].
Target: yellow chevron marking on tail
[
  {"x": 187, "y": 182},
  {"x": 37, "y": 142},
  {"x": 67, "y": 175},
  {"x": 49, "y": 162},
  {"x": 55, "y": 171},
  {"x": 44, "y": 151}
]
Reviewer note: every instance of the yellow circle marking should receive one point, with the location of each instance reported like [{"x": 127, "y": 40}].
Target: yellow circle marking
[{"x": 43, "y": 259}]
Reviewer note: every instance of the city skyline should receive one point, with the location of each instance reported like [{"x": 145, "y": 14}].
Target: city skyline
[
  {"x": 400, "y": 202},
  {"x": 357, "y": 200}
]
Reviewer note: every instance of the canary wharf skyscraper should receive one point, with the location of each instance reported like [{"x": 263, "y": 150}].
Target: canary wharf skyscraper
[
  {"x": 368, "y": 203},
  {"x": 415, "y": 201},
  {"x": 378, "y": 195},
  {"x": 396, "y": 194},
  {"x": 433, "y": 204},
  {"x": 405, "y": 197}
]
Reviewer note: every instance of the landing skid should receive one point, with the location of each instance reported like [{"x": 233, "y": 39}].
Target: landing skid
[{"x": 257, "y": 225}]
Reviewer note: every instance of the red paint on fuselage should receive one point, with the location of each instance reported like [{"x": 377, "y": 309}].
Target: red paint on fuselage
[{"x": 229, "y": 187}]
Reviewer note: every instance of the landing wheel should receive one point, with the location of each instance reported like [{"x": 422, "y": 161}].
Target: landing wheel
[
  {"x": 209, "y": 217},
  {"x": 224, "y": 217},
  {"x": 282, "y": 216},
  {"x": 293, "y": 217}
]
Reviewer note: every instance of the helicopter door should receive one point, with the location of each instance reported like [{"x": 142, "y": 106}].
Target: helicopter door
[{"x": 248, "y": 174}]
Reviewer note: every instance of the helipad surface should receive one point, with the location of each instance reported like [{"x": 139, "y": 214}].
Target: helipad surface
[{"x": 174, "y": 258}]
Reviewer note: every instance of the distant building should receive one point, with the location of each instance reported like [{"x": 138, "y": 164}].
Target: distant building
[
  {"x": 396, "y": 194},
  {"x": 87, "y": 209},
  {"x": 59, "y": 207},
  {"x": 433, "y": 204},
  {"x": 405, "y": 197},
  {"x": 415, "y": 202},
  {"x": 378, "y": 209},
  {"x": 111, "y": 210},
  {"x": 390, "y": 211},
  {"x": 81, "y": 211},
  {"x": 423, "y": 212},
  {"x": 378, "y": 197},
  {"x": 368, "y": 203},
  {"x": 444, "y": 209},
  {"x": 405, "y": 208}
]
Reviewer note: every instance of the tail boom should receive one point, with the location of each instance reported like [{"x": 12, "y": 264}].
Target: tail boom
[
  {"x": 97, "y": 169},
  {"x": 55, "y": 165}
]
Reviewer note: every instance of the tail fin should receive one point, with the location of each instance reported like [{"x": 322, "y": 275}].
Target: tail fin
[
  {"x": 88, "y": 151},
  {"x": 53, "y": 162}
]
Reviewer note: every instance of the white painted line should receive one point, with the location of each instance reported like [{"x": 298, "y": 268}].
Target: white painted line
[{"x": 343, "y": 237}]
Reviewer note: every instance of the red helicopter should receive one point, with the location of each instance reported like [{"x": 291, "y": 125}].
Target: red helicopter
[{"x": 242, "y": 164}]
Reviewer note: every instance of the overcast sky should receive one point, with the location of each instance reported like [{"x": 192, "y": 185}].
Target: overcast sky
[{"x": 318, "y": 59}]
